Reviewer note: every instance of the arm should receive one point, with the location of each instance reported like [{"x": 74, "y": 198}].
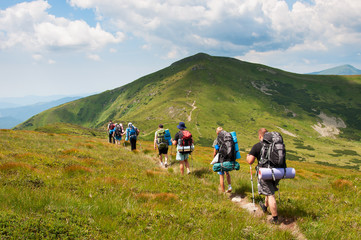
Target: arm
[
  {"x": 250, "y": 159},
  {"x": 214, "y": 152},
  {"x": 155, "y": 140}
]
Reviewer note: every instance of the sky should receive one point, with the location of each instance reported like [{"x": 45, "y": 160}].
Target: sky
[{"x": 70, "y": 47}]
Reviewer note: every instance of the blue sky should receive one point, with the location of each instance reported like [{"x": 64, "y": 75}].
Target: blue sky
[{"x": 69, "y": 47}]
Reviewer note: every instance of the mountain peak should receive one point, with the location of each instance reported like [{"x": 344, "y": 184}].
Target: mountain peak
[{"x": 346, "y": 69}]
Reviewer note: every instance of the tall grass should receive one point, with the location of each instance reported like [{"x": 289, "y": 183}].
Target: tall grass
[{"x": 60, "y": 186}]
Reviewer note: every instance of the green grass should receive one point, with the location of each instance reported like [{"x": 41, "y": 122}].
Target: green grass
[{"x": 60, "y": 186}]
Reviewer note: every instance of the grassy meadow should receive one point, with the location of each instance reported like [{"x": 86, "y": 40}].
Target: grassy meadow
[{"x": 78, "y": 186}]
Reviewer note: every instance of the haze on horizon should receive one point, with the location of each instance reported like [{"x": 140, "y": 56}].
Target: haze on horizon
[{"x": 68, "y": 47}]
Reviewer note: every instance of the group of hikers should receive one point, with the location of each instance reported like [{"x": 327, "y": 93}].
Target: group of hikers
[
  {"x": 116, "y": 131},
  {"x": 184, "y": 141}
]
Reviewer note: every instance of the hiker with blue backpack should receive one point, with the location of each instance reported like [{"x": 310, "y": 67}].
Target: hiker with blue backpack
[
  {"x": 224, "y": 148},
  {"x": 162, "y": 143},
  {"x": 270, "y": 153},
  {"x": 184, "y": 142},
  {"x": 132, "y": 134}
]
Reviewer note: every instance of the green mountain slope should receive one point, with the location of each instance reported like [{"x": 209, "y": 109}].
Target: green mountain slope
[{"x": 206, "y": 92}]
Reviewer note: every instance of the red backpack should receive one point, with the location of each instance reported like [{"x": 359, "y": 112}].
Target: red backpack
[{"x": 185, "y": 142}]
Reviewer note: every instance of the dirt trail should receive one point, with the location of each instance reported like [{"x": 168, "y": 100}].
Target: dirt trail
[
  {"x": 193, "y": 108},
  {"x": 288, "y": 224}
]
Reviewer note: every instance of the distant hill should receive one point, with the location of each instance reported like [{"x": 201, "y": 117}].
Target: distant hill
[
  {"x": 10, "y": 117},
  {"x": 206, "y": 92},
  {"x": 340, "y": 70}
]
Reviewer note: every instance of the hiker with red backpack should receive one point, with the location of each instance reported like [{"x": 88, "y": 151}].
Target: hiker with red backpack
[
  {"x": 161, "y": 142},
  {"x": 270, "y": 153},
  {"x": 111, "y": 129},
  {"x": 184, "y": 142}
]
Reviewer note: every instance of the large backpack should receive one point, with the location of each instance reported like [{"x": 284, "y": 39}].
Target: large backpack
[
  {"x": 227, "y": 152},
  {"x": 111, "y": 126},
  {"x": 118, "y": 130},
  {"x": 133, "y": 132},
  {"x": 273, "y": 152},
  {"x": 161, "y": 141},
  {"x": 185, "y": 142}
]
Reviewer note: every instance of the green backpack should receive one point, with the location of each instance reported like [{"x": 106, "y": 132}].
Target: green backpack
[{"x": 161, "y": 141}]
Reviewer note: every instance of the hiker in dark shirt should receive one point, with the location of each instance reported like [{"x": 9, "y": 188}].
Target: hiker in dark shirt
[
  {"x": 111, "y": 129},
  {"x": 265, "y": 187}
]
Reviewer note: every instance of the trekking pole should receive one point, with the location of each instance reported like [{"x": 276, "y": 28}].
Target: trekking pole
[{"x": 250, "y": 169}]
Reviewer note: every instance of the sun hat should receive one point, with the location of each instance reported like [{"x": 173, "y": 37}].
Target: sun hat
[{"x": 181, "y": 125}]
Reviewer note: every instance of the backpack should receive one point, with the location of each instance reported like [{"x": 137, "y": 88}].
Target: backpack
[
  {"x": 227, "y": 150},
  {"x": 185, "y": 142},
  {"x": 111, "y": 126},
  {"x": 273, "y": 152},
  {"x": 133, "y": 132},
  {"x": 118, "y": 130},
  {"x": 161, "y": 141}
]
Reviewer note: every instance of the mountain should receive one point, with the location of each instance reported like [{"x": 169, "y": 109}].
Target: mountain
[
  {"x": 10, "y": 117},
  {"x": 340, "y": 70},
  {"x": 206, "y": 92}
]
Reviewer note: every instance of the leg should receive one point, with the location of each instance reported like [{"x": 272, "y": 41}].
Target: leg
[
  {"x": 165, "y": 160},
  {"x": 271, "y": 202},
  {"x": 187, "y": 165},
  {"x": 221, "y": 181},
  {"x": 160, "y": 159},
  {"x": 229, "y": 182},
  {"x": 181, "y": 166}
]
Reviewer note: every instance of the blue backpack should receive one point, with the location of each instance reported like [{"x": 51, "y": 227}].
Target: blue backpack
[{"x": 133, "y": 133}]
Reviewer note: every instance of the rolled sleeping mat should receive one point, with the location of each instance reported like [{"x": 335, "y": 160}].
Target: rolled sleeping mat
[
  {"x": 266, "y": 173},
  {"x": 238, "y": 155},
  {"x": 234, "y": 135},
  {"x": 236, "y": 147},
  {"x": 227, "y": 166},
  {"x": 185, "y": 149}
]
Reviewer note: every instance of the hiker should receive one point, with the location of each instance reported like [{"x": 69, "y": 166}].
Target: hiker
[
  {"x": 184, "y": 141},
  {"x": 118, "y": 133},
  {"x": 220, "y": 141},
  {"x": 132, "y": 134},
  {"x": 161, "y": 142},
  {"x": 265, "y": 187},
  {"x": 110, "y": 129}
]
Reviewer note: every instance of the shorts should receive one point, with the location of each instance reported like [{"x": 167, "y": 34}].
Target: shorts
[
  {"x": 181, "y": 156},
  {"x": 222, "y": 172},
  {"x": 118, "y": 138},
  {"x": 163, "y": 151},
  {"x": 267, "y": 187}
]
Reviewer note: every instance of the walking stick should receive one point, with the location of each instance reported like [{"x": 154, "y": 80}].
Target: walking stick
[{"x": 250, "y": 169}]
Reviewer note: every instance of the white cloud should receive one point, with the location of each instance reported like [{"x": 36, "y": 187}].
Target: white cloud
[
  {"x": 94, "y": 57},
  {"x": 51, "y": 61},
  {"x": 37, "y": 57},
  {"x": 28, "y": 24},
  {"x": 261, "y": 25}
]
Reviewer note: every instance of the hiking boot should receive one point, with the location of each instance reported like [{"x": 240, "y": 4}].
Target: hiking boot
[
  {"x": 263, "y": 207},
  {"x": 274, "y": 221},
  {"x": 229, "y": 189},
  {"x": 165, "y": 164},
  {"x": 188, "y": 172},
  {"x": 161, "y": 164}
]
